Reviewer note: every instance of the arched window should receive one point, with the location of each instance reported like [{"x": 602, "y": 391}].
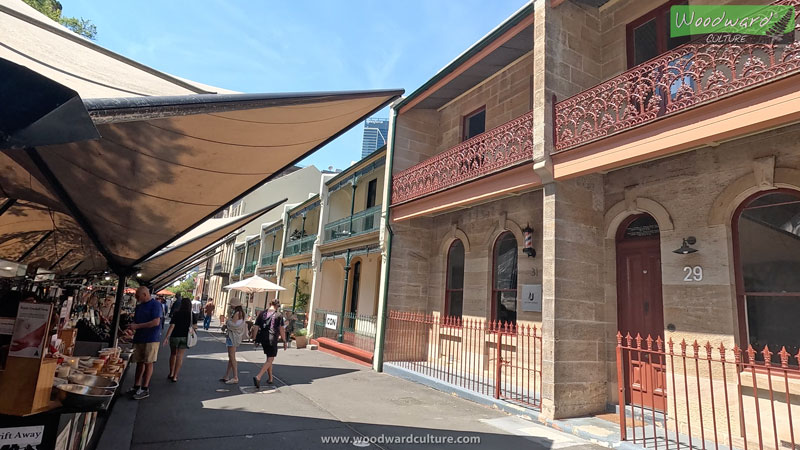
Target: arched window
[
  {"x": 504, "y": 285},
  {"x": 454, "y": 289},
  {"x": 767, "y": 238}
]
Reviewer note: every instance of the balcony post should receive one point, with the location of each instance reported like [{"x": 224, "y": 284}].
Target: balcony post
[
  {"x": 296, "y": 282},
  {"x": 340, "y": 336},
  {"x": 352, "y": 208}
]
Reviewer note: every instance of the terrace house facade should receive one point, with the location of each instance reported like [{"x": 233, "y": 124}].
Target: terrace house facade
[{"x": 657, "y": 183}]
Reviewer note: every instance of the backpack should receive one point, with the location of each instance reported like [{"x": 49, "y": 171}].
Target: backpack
[{"x": 267, "y": 332}]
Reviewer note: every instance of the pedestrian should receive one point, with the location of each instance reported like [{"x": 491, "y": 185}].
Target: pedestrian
[
  {"x": 209, "y": 311},
  {"x": 163, "y": 312},
  {"x": 234, "y": 333},
  {"x": 177, "y": 336},
  {"x": 195, "y": 309},
  {"x": 146, "y": 321},
  {"x": 269, "y": 326}
]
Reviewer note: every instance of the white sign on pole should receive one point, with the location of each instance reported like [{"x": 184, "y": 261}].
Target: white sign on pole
[
  {"x": 331, "y": 321},
  {"x": 532, "y": 297}
]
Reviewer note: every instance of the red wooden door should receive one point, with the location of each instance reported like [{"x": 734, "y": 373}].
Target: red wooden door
[{"x": 640, "y": 311}]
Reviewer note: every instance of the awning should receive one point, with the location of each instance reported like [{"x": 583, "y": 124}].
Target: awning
[
  {"x": 171, "y": 275},
  {"x": 179, "y": 253},
  {"x": 38, "y": 236},
  {"x": 164, "y": 165}
]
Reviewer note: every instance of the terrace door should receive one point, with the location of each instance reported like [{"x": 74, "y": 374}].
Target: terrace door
[{"x": 640, "y": 309}]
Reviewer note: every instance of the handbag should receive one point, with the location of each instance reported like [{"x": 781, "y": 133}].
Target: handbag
[{"x": 191, "y": 338}]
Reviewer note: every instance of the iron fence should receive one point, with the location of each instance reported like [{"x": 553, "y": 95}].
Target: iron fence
[
  {"x": 300, "y": 246},
  {"x": 359, "y": 223},
  {"x": 502, "y": 360},
  {"x": 706, "y": 396},
  {"x": 358, "y": 330},
  {"x": 270, "y": 259}
]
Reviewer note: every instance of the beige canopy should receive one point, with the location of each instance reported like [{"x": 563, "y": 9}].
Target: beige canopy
[{"x": 180, "y": 253}]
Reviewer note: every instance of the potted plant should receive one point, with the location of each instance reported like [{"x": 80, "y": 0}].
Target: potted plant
[{"x": 301, "y": 337}]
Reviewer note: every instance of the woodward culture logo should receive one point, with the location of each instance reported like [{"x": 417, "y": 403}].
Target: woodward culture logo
[{"x": 742, "y": 24}]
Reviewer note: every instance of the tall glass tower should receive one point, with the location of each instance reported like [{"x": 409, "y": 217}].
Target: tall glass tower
[{"x": 376, "y": 132}]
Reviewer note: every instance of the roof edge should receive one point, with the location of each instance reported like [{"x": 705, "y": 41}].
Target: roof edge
[{"x": 498, "y": 31}]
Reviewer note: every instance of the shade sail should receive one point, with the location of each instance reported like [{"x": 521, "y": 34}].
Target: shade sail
[
  {"x": 158, "y": 172},
  {"x": 176, "y": 272},
  {"x": 181, "y": 252},
  {"x": 254, "y": 284},
  {"x": 34, "y": 234}
]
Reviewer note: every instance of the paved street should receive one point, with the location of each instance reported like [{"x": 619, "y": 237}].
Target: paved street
[{"x": 318, "y": 397}]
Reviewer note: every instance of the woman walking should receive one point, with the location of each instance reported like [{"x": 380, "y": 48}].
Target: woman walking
[
  {"x": 269, "y": 326},
  {"x": 235, "y": 333},
  {"x": 177, "y": 336}
]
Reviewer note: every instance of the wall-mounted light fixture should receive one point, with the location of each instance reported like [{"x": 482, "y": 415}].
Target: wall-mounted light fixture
[
  {"x": 686, "y": 247},
  {"x": 527, "y": 248}
]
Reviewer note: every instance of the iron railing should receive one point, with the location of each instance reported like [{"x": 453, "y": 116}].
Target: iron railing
[
  {"x": 300, "y": 246},
  {"x": 359, "y": 223},
  {"x": 270, "y": 259},
  {"x": 683, "y": 78},
  {"x": 251, "y": 266},
  {"x": 498, "y": 149},
  {"x": 358, "y": 330},
  {"x": 706, "y": 396},
  {"x": 237, "y": 271},
  {"x": 221, "y": 269},
  {"x": 501, "y": 360}
]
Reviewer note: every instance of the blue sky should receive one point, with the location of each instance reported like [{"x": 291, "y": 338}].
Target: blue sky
[{"x": 296, "y": 46}]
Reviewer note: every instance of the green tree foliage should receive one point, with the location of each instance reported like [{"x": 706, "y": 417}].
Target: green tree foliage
[
  {"x": 52, "y": 9},
  {"x": 186, "y": 287}
]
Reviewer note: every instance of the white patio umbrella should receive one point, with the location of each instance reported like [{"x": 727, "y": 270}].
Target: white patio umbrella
[{"x": 254, "y": 284}]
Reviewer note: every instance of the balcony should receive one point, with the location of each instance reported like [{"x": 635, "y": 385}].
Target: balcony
[
  {"x": 270, "y": 259},
  {"x": 300, "y": 246},
  {"x": 237, "y": 271},
  {"x": 498, "y": 149},
  {"x": 357, "y": 224},
  {"x": 250, "y": 267},
  {"x": 694, "y": 74},
  {"x": 221, "y": 269}
]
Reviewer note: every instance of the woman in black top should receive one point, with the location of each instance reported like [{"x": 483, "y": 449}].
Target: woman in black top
[{"x": 177, "y": 336}]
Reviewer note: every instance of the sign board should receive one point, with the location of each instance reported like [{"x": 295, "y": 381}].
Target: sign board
[
  {"x": 532, "y": 297},
  {"x": 21, "y": 436},
  {"x": 331, "y": 321},
  {"x": 30, "y": 330},
  {"x": 7, "y": 325}
]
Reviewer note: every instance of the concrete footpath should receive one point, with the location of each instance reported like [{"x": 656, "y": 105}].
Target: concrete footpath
[{"x": 319, "y": 401}]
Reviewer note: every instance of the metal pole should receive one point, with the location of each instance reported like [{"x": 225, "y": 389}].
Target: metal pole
[
  {"x": 206, "y": 278},
  {"x": 352, "y": 208},
  {"x": 296, "y": 283},
  {"x": 344, "y": 296},
  {"x": 117, "y": 307}
]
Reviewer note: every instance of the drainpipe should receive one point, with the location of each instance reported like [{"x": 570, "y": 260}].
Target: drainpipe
[
  {"x": 377, "y": 360},
  {"x": 340, "y": 335}
]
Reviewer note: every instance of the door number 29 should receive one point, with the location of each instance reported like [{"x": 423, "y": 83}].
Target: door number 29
[{"x": 693, "y": 273}]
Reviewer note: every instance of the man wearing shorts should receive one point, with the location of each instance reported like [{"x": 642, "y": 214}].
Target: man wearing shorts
[
  {"x": 271, "y": 325},
  {"x": 147, "y": 334}
]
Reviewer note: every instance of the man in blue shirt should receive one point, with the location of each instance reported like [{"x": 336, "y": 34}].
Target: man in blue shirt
[{"x": 147, "y": 335}]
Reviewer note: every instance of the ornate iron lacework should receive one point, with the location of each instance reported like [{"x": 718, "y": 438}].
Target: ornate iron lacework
[
  {"x": 500, "y": 148},
  {"x": 681, "y": 79}
]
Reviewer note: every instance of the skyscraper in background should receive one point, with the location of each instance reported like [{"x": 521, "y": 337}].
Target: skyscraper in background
[{"x": 376, "y": 132}]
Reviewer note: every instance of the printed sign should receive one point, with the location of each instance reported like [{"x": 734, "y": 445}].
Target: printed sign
[
  {"x": 532, "y": 297},
  {"x": 7, "y": 325},
  {"x": 21, "y": 436},
  {"x": 331, "y": 321},
  {"x": 30, "y": 330}
]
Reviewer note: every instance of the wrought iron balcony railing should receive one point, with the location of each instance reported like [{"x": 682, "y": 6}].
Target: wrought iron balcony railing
[
  {"x": 683, "y": 78},
  {"x": 237, "y": 271},
  {"x": 251, "y": 266},
  {"x": 300, "y": 246},
  {"x": 221, "y": 269},
  {"x": 360, "y": 223},
  {"x": 270, "y": 259},
  {"x": 498, "y": 149}
]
